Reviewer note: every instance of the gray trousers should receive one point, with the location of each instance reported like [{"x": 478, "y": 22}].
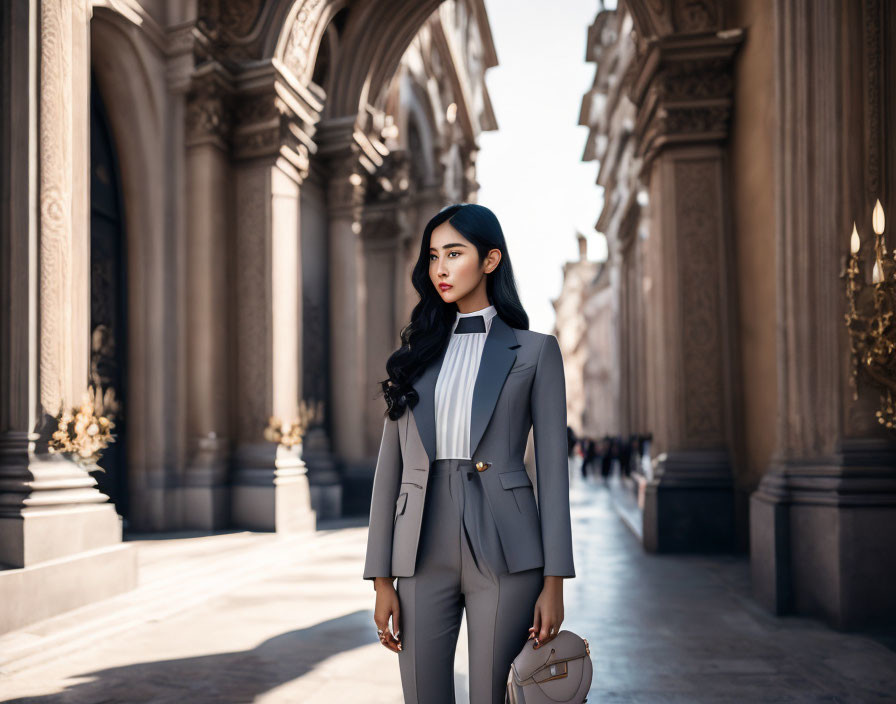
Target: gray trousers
[{"x": 460, "y": 566}]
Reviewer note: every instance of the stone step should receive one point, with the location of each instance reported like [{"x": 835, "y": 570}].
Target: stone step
[{"x": 176, "y": 572}]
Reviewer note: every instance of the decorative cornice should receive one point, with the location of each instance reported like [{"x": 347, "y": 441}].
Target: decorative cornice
[
  {"x": 228, "y": 30},
  {"x": 662, "y": 18},
  {"x": 261, "y": 113},
  {"x": 683, "y": 89},
  {"x": 209, "y": 107},
  {"x": 347, "y": 174},
  {"x": 240, "y": 32}
]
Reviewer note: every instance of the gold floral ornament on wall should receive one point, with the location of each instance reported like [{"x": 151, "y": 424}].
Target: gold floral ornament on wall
[
  {"x": 869, "y": 319},
  {"x": 83, "y": 433},
  {"x": 289, "y": 433}
]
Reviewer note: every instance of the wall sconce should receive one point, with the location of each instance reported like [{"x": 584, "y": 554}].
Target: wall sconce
[{"x": 869, "y": 320}]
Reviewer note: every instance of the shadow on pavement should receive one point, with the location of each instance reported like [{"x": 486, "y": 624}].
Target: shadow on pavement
[{"x": 238, "y": 676}]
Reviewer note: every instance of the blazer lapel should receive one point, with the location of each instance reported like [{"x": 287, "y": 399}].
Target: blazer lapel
[
  {"x": 497, "y": 359},
  {"x": 425, "y": 410}
]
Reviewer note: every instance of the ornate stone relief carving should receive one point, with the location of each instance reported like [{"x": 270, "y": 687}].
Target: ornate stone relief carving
[
  {"x": 229, "y": 19},
  {"x": 694, "y": 79},
  {"x": 697, "y": 212},
  {"x": 254, "y": 331},
  {"x": 661, "y": 18},
  {"x": 255, "y": 124},
  {"x": 297, "y": 55},
  {"x": 235, "y": 31},
  {"x": 55, "y": 150},
  {"x": 871, "y": 21},
  {"x": 683, "y": 121},
  {"x": 695, "y": 15},
  {"x": 227, "y": 28},
  {"x": 209, "y": 111}
]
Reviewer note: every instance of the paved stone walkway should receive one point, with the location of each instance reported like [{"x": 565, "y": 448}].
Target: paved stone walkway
[{"x": 255, "y": 618}]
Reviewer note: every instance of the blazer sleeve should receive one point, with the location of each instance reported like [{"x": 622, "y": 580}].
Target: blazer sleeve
[
  {"x": 386, "y": 482},
  {"x": 548, "y": 404}
]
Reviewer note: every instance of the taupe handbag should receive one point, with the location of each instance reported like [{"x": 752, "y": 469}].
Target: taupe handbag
[{"x": 559, "y": 671}]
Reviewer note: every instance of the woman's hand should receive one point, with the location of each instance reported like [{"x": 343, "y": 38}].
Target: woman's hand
[
  {"x": 386, "y": 606},
  {"x": 548, "y": 611}
]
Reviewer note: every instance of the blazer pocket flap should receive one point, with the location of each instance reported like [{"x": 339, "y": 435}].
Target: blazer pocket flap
[
  {"x": 399, "y": 505},
  {"x": 517, "y": 478}
]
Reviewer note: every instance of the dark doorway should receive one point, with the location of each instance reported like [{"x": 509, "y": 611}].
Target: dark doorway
[{"x": 108, "y": 334}]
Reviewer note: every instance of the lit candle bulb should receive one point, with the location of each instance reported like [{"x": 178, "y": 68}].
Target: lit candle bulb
[
  {"x": 875, "y": 274},
  {"x": 854, "y": 242},
  {"x": 877, "y": 218}
]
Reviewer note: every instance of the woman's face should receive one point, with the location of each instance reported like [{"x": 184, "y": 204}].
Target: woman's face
[{"x": 454, "y": 267}]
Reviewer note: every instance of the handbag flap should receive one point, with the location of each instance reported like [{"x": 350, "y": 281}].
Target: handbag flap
[{"x": 564, "y": 646}]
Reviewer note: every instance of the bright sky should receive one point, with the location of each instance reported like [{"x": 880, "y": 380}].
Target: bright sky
[{"x": 530, "y": 169}]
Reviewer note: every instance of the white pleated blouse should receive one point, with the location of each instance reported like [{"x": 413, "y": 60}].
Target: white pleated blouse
[{"x": 454, "y": 387}]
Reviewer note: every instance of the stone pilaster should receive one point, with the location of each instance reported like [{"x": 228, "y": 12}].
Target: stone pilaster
[
  {"x": 54, "y": 523},
  {"x": 823, "y": 517},
  {"x": 385, "y": 226},
  {"x": 683, "y": 93},
  {"x": 205, "y": 491},
  {"x": 272, "y": 118},
  {"x": 348, "y": 171}
]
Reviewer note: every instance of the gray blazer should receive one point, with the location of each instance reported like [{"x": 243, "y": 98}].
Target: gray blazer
[{"x": 520, "y": 385}]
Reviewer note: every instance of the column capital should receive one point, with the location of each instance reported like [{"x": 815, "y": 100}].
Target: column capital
[
  {"x": 261, "y": 112},
  {"x": 209, "y": 106},
  {"x": 348, "y": 167},
  {"x": 683, "y": 87},
  {"x": 392, "y": 180}
]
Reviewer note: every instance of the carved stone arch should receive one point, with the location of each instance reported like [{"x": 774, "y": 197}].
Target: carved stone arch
[
  {"x": 301, "y": 33},
  {"x": 377, "y": 35},
  {"x": 324, "y": 63},
  {"x": 237, "y": 31},
  {"x": 113, "y": 40},
  {"x": 122, "y": 62}
]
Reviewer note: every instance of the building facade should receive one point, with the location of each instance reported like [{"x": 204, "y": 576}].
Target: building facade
[
  {"x": 737, "y": 143},
  {"x": 211, "y": 208},
  {"x": 571, "y": 330}
]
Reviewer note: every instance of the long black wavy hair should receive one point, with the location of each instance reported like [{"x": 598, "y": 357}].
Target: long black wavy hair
[{"x": 426, "y": 335}]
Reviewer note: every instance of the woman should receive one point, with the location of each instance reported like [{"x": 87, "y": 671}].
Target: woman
[{"x": 453, "y": 515}]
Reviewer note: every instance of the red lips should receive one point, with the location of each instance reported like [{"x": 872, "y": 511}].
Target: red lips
[{"x": 444, "y": 287}]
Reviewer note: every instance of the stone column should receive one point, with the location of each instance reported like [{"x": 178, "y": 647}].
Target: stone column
[
  {"x": 683, "y": 94},
  {"x": 385, "y": 225},
  {"x": 323, "y": 477},
  {"x": 349, "y": 390},
  {"x": 55, "y": 526},
  {"x": 209, "y": 215},
  {"x": 270, "y": 147},
  {"x": 823, "y": 518}
]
